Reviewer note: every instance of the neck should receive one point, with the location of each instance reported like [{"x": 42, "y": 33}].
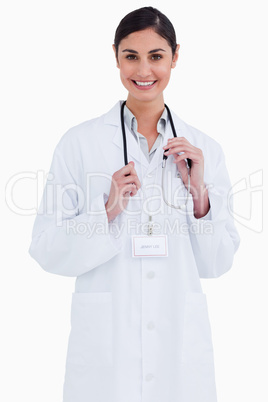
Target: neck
[{"x": 146, "y": 113}]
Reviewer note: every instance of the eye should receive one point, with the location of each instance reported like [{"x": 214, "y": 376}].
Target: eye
[
  {"x": 131, "y": 57},
  {"x": 156, "y": 56}
]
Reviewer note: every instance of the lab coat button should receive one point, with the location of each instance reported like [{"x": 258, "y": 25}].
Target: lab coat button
[
  {"x": 149, "y": 175},
  {"x": 149, "y": 377},
  {"x": 151, "y": 275},
  {"x": 150, "y": 325}
]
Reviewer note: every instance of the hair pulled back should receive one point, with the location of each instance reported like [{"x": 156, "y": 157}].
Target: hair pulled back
[{"x": 143, "y": 18}]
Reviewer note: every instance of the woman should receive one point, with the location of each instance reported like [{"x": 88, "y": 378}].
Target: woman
[{"x": 138, "y": 236}]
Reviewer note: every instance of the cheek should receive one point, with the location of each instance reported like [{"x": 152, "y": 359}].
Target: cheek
[
  {"x": 164, "y": 73},
  {"x": 125, "y": 70}
]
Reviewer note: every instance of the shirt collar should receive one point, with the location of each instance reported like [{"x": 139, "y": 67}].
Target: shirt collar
[{"x": 132, "y": 124}]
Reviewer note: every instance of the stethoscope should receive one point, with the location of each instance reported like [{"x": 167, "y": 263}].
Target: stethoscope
[{"x": 188, "y": 161}]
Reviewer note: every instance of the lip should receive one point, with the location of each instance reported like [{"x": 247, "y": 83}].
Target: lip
[{"x": 144, "y": 88}]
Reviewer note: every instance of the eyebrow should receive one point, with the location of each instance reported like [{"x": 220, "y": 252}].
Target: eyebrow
[{"x": 151, "y": 51}]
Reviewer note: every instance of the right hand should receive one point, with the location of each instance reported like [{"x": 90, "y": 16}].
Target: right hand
[{"x": 125, "y": 184}]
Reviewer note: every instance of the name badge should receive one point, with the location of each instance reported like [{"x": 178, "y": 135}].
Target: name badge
[{"x": 149, "y": 246}]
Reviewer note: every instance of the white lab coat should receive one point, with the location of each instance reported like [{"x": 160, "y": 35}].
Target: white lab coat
[{"x": 140, "y": 329}]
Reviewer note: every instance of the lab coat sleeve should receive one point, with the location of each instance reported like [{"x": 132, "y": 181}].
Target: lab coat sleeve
[
  {"x": 65, "y": 241},
  {"x": 214, "y": 237}
]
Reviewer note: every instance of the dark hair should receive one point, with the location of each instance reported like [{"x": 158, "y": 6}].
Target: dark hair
[{"x": 143, "y": 18}]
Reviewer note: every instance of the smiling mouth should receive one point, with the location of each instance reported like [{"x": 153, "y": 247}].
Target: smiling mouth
[{"x": 144, "y": 83}]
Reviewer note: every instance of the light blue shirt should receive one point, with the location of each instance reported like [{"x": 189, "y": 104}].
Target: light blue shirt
[{"x": 132, "y": 125}]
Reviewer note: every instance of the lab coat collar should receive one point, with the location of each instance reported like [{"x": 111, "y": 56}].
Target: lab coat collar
[
  {"x": 134, "y": 153},
  {"x": 113, "y": 118}
]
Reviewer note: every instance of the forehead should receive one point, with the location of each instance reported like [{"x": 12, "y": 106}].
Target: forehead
[{"x": 144, "y": 41}]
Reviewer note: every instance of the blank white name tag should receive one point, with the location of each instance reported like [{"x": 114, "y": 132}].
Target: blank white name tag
[{"x": 149, "y": 246}]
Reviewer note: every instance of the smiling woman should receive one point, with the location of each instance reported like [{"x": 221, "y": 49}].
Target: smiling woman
[
  {"x": 145, "y": 60},
  {"x": 140, "y": 327}
]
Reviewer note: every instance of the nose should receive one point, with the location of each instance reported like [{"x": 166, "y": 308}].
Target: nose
[{"x": 144, "y": 69}]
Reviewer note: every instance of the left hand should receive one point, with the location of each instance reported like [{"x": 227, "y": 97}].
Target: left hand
[
  {"x": 197, "y": 185},
  {"x": 180, "y": 144}
]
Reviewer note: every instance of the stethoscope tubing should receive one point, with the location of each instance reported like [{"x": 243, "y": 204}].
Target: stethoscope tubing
[{"x": 164, "y": 156}]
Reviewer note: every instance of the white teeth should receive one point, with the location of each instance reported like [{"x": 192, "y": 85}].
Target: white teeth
[{"x": 144, "y": 84}]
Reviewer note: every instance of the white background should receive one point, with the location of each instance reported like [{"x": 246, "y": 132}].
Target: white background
[{"x": 58, "y": 69}]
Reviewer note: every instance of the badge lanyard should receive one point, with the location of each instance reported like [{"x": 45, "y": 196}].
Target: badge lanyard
[{"x": 150, "y": 223}]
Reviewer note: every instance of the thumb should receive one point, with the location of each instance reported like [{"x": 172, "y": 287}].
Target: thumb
[{"x": 182, "y": 168}]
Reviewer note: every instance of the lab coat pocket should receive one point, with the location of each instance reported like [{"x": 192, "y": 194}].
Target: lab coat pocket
[
  {"x": 197, "y": 334},
  {"x": 90, "y": 342},
  {"x": 197, "y": 350}
]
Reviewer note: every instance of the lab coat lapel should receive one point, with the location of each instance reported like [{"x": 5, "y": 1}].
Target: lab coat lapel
[
  {"x": 133, "y": 151},
  {"x": 158, "y": 157}
]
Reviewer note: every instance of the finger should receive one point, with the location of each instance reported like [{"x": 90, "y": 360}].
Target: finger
[
  {"x": 182, "y": 164},
  {"x": 129, "y": 169},
  {"x": 134, "y": 192},
  {"x": 127, "y": 189},
  {"x": 182, "y": 168},
  {"x": 125, "y": 170},
  {"x": 176, "y": 140},
  {"x": 178, "y": 149},
  {"x": 194, "y": 154},
  {"x": 136, "y": 178},
  {"x": 131, "y": 179},
  {"x": 127, "y": 178},
  {"x": 183, "y": 157}
]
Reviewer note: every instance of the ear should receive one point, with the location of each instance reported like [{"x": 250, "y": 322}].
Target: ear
[
  {"x": 117, "y": 64},
  {"x": 176, "y": 56}
]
